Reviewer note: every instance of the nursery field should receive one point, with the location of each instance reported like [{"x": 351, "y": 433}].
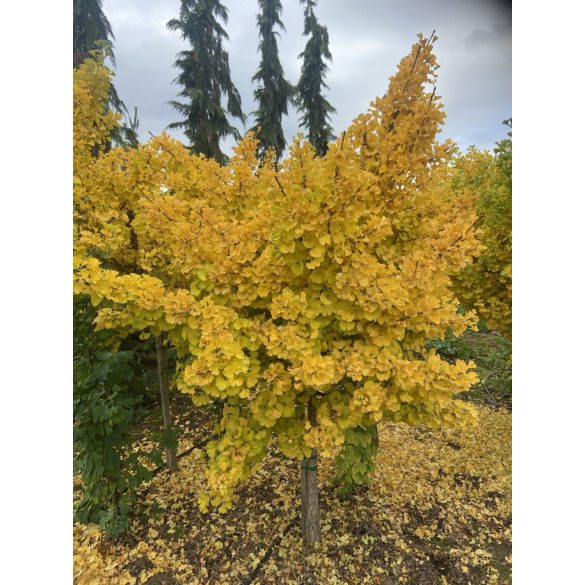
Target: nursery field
[{"x": 438, "y": 510}]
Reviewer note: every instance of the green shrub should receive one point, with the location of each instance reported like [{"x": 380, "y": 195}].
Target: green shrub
[
  {"x": 108, "y": 400},
  {"x": 355, "y": 463}
]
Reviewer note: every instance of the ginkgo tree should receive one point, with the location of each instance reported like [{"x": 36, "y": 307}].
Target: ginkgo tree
[
  {"x": 300, "y": 294},
  {"x": 486, "y": 285}
]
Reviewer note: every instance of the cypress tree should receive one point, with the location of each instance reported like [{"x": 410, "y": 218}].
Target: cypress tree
[
  {"x": 315, "y": 109},
  {"x": 205, "y": 77},
  {"x": 274, "y": 92}
]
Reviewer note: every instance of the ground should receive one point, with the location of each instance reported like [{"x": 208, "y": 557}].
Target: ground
[{"x": 438, "y": 512}]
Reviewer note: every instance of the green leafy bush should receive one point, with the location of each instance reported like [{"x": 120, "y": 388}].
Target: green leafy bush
[
  {"x": 492, "y": 354},
  {"x": 355, "y": 463},
  {"x": 108, "y": 400}
]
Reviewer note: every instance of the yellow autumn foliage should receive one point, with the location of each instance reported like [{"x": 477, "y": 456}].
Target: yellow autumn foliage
[
  {"x": 317, "y": 279},
  {"x": 486, "y": 285}
]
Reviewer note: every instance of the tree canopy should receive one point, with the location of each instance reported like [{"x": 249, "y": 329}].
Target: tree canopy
[{"x": 309, "y": 285}]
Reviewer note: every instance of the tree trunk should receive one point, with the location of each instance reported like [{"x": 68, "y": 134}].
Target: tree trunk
[
  {"x": 161, "y": 358},
  {"x": 310, "y": 523}
]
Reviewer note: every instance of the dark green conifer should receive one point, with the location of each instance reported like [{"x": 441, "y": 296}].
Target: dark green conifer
[
  {"x": 274, "y": 92},
  {"x": 91, "y": 27},
  {"x": 204, "y": 74},
  {"x": 314, "y": 108},
  {"x": 92, "y": 30}
]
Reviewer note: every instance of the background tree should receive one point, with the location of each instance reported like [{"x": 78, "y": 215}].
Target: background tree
[
  {"x": 90, "y": 27},
  {"x": 315, "y": 109},
  {"x": 302, "y": 297},
  {"x": 92, "y": 31},
  {"x": 274, "y": 92},
  {"x": 126, "y": 135},
  {"x": 205, "y": 77},
  {"x": 486, "y": 285}
]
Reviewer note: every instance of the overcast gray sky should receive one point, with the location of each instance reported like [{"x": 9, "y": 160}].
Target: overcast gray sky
[{"x": 367, "y": 40}]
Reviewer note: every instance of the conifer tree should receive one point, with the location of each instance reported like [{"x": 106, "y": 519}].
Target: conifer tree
[
  {"x": 92, "y": 30},
  {"x": 205, "y": 77},
  {"x": 90, "y": 27},
  {"x": 274, "y": 92},
  {"x": 126, "y": 135},
  {"x": 315, "y": 109}
]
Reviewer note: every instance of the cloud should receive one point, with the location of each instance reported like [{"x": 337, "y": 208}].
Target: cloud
[
  {"x": 367, "y": 39},
  {"x": 481, "y": 37}
]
